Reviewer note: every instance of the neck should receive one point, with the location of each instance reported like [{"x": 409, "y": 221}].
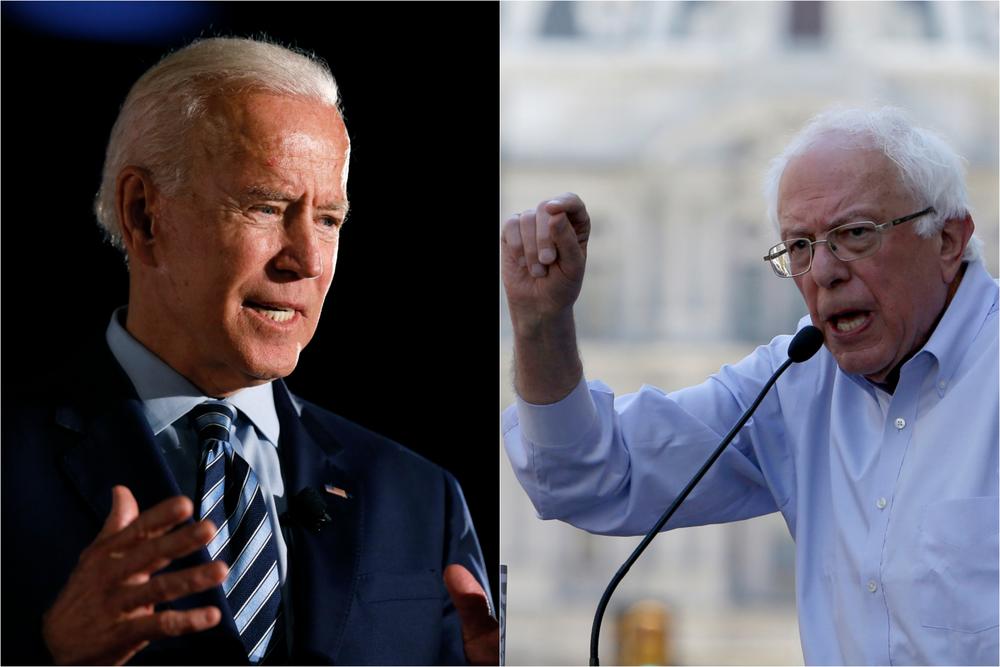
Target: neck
[
  {"x": 891, "y": 380},
  {"x": 213, "y": 380}
]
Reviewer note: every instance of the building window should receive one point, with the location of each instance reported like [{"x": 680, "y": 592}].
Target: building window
[
  {"x": 805, "y": 24},
  {"x": 559, "y": 20}
]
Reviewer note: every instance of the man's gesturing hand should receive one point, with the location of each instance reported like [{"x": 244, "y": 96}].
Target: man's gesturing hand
[
  {"x": 480, "y": 631},
  {"x": 104, "y": 614},
  {"x": 544, "y": 252},
  {"x": 543, "y": 257}
]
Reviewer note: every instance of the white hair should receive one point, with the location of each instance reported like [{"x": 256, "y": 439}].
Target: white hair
[
  {"x": 166, "y": 102},
  {"x": 928, "y": 167}
]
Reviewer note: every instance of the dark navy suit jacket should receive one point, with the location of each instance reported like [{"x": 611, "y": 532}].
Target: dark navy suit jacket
[{"x": 367, "y": 589}]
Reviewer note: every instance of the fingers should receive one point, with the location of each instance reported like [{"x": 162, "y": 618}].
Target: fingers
[
  {"x": 173, "y": 585},
  {"x": 469, "y": 599},
  {"x": 169, "y": 624},
  {"x": 480, "y": 631},
  {"x": 543, "y": 237},
  {"x": 104, "y": 613},
  {"x": 154, "y": 554},
  {"x": 152, "y": 523},
  {"x": 124, "y": 510},
  {"x": 529, "y": 240},
  {"x": 459, "y": 581},
  {"x": 511, "y": 240},
  {"x": 570, "y": 204},
  {"x": 576, "y": 212},
  {"x": 572, "y": 255}
]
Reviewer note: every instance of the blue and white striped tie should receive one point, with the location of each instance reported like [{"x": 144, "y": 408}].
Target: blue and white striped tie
[{"x": 232, "y": 499}]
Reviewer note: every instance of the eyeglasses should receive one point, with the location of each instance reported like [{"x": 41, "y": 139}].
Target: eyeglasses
[{"x": 849, "y": 242}]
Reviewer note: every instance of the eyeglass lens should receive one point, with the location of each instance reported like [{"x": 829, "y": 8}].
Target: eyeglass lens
[{"x": 847, "y": 242}]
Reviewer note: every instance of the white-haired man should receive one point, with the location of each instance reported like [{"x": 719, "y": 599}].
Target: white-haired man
[
  {"x": 316, "y": 541},
  {"x": 880, "y": 451}
]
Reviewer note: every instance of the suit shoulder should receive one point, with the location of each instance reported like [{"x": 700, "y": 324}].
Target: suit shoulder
[{"x": 366, "y": 445}]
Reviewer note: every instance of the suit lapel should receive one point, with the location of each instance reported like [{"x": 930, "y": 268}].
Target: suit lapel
[
  {"x": 116, "y": 448},
  {"x": 116, "y": 444},
  {"x": 324, "y": 565}
]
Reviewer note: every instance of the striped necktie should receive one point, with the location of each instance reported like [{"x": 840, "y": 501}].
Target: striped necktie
[{"x": 231, "y": 497}]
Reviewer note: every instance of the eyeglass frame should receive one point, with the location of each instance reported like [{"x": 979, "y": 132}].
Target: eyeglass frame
[{"x": 879, "y": 228}]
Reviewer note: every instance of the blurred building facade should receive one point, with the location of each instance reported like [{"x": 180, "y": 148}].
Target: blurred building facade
[{"x": 663, "y": 117}]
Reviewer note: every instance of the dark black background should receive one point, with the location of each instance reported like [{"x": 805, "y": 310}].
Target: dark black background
[{"x": 408, "y": 341}]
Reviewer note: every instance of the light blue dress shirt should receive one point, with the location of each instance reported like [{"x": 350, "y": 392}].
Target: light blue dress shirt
[
  {"x": 167, "y": 397},
  {"x": 891, "y": 499}
]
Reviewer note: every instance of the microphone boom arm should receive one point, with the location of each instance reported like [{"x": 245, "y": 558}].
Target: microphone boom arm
[{"x": 595, "y": 630}]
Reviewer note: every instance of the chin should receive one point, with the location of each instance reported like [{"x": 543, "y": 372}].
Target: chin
[{"x": 271, "y": 364}]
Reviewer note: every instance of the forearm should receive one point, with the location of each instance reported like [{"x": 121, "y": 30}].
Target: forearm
[
  {"x": 547, "y": 362},
  {"x": 617, "y": 464}
]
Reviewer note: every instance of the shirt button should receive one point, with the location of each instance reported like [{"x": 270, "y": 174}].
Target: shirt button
[
  {"x": 880, "y": 503},
  {"x": 942, "y": 384},
  {"x": 872, "y": 586},
  {"x": 900, "y": 423}
]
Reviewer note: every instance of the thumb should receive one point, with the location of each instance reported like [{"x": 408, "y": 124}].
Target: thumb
[
  {"x": 124, "y": 510},
  {"x": 469, "y": 599}
]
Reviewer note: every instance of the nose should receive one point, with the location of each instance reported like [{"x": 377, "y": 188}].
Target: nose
[
  {"x": 302, "y": 250},
  {"x": 827, "y": 270}
]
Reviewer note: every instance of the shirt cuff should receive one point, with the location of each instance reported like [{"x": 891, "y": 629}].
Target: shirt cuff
[{"x": 558, "y": 424}]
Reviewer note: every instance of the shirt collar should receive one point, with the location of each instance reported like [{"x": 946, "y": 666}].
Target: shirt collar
[
  {"x": 167, "y": 395},
  {"x": 962, "y": 321}
]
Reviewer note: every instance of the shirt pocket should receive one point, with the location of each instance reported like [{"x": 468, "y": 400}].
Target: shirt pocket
[{"x": 959, "y": 575}]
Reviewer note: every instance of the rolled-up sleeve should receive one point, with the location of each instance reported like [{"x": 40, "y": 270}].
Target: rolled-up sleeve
[{"x": 612, "y": 465}]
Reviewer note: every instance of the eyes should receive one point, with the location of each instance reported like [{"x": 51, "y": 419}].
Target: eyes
[
  {"x": 270, "y": 212},
  {"x": 858, "y": 231},
  {"x": 798, "y": 245},
  {"x": 851, "y": 234}
]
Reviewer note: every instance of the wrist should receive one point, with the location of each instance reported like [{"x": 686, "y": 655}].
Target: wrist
[
  {"x": 537, "y": 328},
  {"x": 547, "y": 364}
]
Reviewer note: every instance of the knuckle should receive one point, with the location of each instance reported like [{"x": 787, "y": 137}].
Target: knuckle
[
  {"x": 141, "y": 530},
  {"x": 512, "y": 232},
  {"x": 159, "y": 588},
  {"x": 171, "y": 623},
  {"x": 93, "y": 556},
  {"x": 86, "y": 555}
]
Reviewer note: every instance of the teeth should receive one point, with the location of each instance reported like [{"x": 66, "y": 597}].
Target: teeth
[
  {"x": 845, "y": 324},
  {"x": 280, "y": 315}
]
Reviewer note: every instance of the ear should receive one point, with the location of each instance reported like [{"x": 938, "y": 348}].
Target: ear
[
  {"x": 135, "y": 201},
  {"x": 955, "y": 236}
]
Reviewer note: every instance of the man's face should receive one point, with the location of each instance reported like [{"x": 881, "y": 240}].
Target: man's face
[
  {"x": 246, "y": 249},
  {"x": 877, "y": 311}
]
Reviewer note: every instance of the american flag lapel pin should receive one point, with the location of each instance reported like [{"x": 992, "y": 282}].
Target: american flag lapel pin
[{"x": 336, "y": 491}]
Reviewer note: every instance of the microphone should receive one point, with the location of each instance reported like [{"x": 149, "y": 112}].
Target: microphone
[
  {"x": 308, "y": 510},
  {"x": 804, "y": 345}
]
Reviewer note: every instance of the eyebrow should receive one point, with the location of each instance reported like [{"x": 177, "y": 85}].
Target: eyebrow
[
  {"x": 277, "y": 195},
  {"x": 842, "y": 219}
]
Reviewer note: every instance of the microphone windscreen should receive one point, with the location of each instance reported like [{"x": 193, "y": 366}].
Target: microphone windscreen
[
  {"x": 307, "y": 507},
  {"x": 310, "y": 501},
  {"x": 805, "y": 344}
]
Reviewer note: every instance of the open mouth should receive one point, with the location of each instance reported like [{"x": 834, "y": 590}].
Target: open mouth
[
  {"x": 849, "y": 321},
  {"x": 274, "y": 313}
]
